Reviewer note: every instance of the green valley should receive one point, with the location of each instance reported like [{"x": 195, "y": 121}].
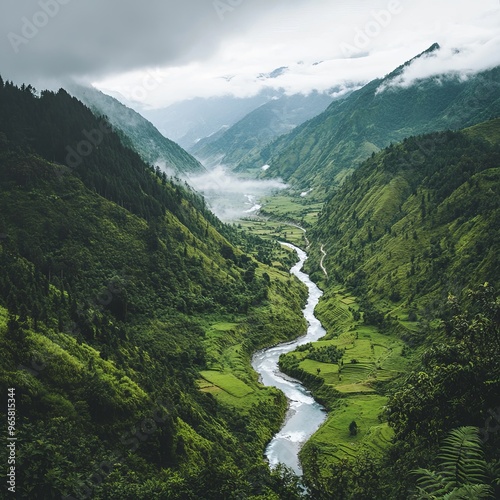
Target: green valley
[
  {"x": 131, "y": 316},
  {"x": 122, "y": 299}
]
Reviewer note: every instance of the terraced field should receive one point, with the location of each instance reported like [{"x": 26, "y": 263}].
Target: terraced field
[
  {"x": 334, "y": 440},
  {"x": 370, "y": 356}
]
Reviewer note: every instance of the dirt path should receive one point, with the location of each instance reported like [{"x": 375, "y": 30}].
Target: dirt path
[{"x": 322, "y": 260}]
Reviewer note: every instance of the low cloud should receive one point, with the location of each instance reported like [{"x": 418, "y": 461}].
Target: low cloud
[
  {"x": 229, "y": 196},
  {"x": 450, "y": 61}
]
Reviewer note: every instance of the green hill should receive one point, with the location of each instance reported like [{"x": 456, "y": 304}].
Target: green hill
[
  {"x": 418, "y": 220},
  {"x": 258, "y": 128},
  {"x": 119, "y": 292},
  {"x": 139, "y": 133},
  {"x": 411, "y": 307},
  {"x": 320, "y": 152}
]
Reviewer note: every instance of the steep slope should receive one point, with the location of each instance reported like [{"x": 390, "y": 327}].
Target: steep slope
[
  {"x": 419, "y": 220},
  {"x": 138, "y": 133},
  {"x": 117, "y": 289},
  {"x": 258, "y": 128},
  {"x": 321, "y": 151},
  {"x": 412, "y": 312}
]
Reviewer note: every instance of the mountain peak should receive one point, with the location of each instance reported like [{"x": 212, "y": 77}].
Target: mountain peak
[{"x": 399, "y": 70}]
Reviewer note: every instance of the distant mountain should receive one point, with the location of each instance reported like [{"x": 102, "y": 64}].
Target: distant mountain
[
  {"x": 138, "y": 133},
  {"x": 248, "y": 136},
  {"x": 189, "y": 121},
  {"x": 324, "y": 149}
]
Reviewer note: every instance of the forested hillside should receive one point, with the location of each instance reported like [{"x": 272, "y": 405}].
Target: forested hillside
[
  {"x": 118, "y": 289},
  {"x": 419, "y": 220},
  {"x": 320, "y": 152},
  {"x": 250, "y": 134},
  {"x": 412, "y": 311},
  {"x": 138, "y": 133}
]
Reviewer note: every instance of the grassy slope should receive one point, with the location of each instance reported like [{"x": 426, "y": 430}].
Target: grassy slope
[
  {"x": 377, "y": 222},
  {"x": 416, "y": 228},
  {"x": 352, "y": 391},
  {"x": 320, "y": 152}
]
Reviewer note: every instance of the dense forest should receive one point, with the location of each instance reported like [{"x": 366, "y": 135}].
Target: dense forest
[
  {"x": 117, "y": 288},
  {"x": 138, "y": 133}
]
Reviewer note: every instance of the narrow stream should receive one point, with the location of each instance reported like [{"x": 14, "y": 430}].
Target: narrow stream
[{"x": 304, "y": 415}]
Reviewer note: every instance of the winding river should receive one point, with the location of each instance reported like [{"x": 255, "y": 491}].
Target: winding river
[{"x": 304, "y": 415}]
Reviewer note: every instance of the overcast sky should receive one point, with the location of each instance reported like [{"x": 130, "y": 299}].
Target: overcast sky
[{"x": 156, "y": 52}]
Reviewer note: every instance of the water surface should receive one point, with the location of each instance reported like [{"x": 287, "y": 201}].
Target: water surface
[{"x": 304, "y": 415}]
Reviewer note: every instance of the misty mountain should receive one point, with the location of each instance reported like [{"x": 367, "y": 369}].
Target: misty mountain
[
  {"x": 189, "y": 121},
  {"x": 138, "y": 133},
  {"x": 249, "y": 135},
  {"x": 323, "y": 150}
]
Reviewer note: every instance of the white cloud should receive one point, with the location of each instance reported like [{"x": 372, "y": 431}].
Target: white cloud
[
  {"x": 460, "y": 62},
  {"x": 195, "y": 53},
  {"x": 231, "y": 197},
  {"x": 304, "y": 34}
]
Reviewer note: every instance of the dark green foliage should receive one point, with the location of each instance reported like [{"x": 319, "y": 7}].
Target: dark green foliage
[
  {"x": 459, "y": 378},
  {"x": 457, "y": 383},
  {"x": 353, "y": 428},
  {"x": 110, "y": 273},
  {"x": 462, "y": 470},
  {"x": 328, "y": 354},
  {"x": 360, "y": 478}
]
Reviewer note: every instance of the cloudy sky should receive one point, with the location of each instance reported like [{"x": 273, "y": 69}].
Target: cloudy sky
[{"x": 156, "y": 52}]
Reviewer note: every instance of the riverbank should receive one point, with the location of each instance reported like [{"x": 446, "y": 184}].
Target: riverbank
[
  {"x": 352, "y": 387},
  {"x": 305, "y": 415}
]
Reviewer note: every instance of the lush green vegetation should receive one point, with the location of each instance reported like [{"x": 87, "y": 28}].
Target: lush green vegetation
[
  {"x": 138, "y": 133},
  {"x": 129, "y": 313},
  {"x": 123, "y": 302},
  {"x": 323, "y": 150},
  {"x": 416, "y": 222},
  {"x": 414, "y": 226},
  {"x": 248, "y": 136},
  {"x": 349, "y": 371}
]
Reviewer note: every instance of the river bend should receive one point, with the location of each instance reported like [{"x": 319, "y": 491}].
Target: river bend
[{"x": 304, "y": 415}]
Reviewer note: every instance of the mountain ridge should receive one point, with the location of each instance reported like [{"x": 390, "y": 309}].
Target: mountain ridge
[
  {"x": 323, "y": 150},
  {"x": 139, "y": 133}
]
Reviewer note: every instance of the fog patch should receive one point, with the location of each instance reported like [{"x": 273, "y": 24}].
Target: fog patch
[
  {"x": 231, "y": 197},
  {"x": 166, "y": 167}
]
